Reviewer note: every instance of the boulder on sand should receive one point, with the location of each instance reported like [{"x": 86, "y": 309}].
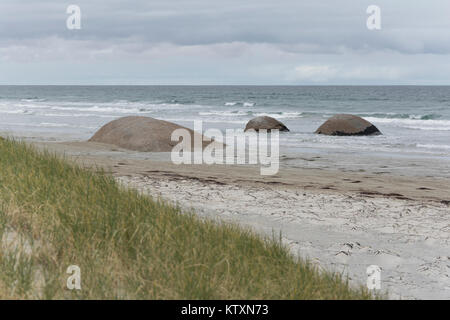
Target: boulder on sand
[
  {"x": 141, "y": 134},
  {"x": 347, "y": 125},
  {"x": 265, "y": 122}
]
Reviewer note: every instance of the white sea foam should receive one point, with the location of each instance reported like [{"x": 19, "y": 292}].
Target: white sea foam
[
  {"x": 191, "y": 120},
  {"x": 245, "y": 104},
  {"x": 33, "y": 100},
  {"x": 57, "y": 125},
  {"x": 46, "y": 125},
  {"x": 101, "y": 109},
  {"x": 237, "y": 113},
  {"x": 224, "y": 113},
  {"x": 438, "y": 125},
  {"x": 62, "y": 125},
  {"x": 17, "y": 111},
  {"x": 71, "y": 115},
  {"x": 116, "y": 107},
  {"x": 281, "y": 115},
  {"x": 434, "y": 146}
]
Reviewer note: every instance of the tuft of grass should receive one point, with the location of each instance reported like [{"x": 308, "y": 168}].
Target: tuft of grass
[{"x": 54, "y": 214}]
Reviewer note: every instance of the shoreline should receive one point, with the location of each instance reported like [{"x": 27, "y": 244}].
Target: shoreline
[
  {"x": 368, "y": 183},
  {"x": 343, "y": 221}
]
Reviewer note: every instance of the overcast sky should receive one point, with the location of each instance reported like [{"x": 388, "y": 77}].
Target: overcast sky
[{"x": 225, "y": 42}]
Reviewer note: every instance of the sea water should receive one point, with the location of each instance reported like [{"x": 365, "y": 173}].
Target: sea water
[{"x": 414, "y": 120}]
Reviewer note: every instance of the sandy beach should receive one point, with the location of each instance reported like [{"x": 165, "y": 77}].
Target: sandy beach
[
  {"x": 251, "y": 150},
  {"x": 342, "y": 221}
]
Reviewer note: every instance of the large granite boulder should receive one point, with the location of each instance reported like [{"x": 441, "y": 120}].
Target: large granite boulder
[
  {"x": 347, "y": 125},
  {"x": 265, "y": 122},
  {"x": 141, "y": 134}
]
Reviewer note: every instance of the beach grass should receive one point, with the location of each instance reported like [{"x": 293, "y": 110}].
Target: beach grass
[{"x": 54, "y": 214}]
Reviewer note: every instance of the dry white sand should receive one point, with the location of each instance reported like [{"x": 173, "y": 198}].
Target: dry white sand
[
  {"x": 409, "y": 240},
  {"x": 343, "y": 221}
]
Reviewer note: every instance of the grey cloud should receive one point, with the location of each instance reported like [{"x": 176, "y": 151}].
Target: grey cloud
[
  {"x": 287, "y": 41},
  {"x": 324, "y": 24}
]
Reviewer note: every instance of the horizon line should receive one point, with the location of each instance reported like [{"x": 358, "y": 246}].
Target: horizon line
[{"x": 225, "y": 85}]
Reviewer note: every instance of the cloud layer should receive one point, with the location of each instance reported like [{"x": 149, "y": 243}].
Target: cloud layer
[{"x": 225, "y": 42}]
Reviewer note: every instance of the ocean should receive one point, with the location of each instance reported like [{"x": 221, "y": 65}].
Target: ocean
[{"x": 414, "y": 120}]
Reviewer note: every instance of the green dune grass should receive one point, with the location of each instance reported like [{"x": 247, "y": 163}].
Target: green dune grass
[{"x": 54, "y": 214}]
